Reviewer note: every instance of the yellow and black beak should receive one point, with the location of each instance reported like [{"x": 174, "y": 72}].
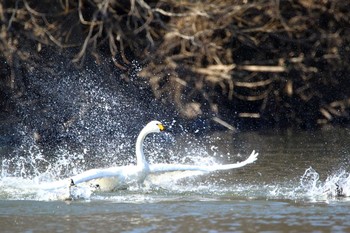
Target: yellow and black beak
[{"x": 161, "y": 127}]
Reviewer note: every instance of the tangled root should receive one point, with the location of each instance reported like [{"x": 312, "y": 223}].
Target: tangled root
[{"x": 268, "y": 60}]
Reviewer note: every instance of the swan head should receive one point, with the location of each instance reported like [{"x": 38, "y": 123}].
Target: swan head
[{"x": 154, "y": 127}]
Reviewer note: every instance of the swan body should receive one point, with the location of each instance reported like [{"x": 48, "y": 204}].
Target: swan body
[{"x": 112, "y": 178}]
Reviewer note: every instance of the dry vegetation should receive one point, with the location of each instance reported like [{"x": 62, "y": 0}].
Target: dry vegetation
[{"x": 276, "y": 62}]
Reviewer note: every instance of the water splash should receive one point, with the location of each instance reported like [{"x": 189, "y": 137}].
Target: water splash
[
  {"x": 25, "y": 173},
  {"x": 336, "y": 185},
  {"x": 188, "y": 183},
  {"x": 98, "y": 127}
]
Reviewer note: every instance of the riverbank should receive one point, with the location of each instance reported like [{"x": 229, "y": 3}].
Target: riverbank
[{"x": 248, "y": 65}]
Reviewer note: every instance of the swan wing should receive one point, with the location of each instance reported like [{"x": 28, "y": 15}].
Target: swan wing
[
  {"x": 165, "y": 167},
  {"x": 92, "y": 174},
  {"x": 118, "y": 172},
  {"x": 125, "y": 171},
  {"x": 157, "y": 168}
]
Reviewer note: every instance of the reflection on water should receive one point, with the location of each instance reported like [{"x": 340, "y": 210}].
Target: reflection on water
[{"x": 291, "y": 187}]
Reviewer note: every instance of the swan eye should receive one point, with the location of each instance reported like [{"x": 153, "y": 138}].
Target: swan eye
[{"x": 161, "y": 127}]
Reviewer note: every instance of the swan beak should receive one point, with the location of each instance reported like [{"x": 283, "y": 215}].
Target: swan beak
[{"x": 161, "y": 127}]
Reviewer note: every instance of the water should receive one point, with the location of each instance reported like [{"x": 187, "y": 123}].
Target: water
[
  {"x": 226, "y": 215},
  {"x": 290, "y": 188}
]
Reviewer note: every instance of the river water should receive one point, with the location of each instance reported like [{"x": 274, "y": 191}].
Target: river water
[{"x": 290, "y": 188}]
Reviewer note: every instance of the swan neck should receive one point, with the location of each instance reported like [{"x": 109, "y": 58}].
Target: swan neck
[{"x": 140, "y": 157}]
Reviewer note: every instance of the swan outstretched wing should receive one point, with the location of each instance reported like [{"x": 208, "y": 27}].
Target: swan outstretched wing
[
  {"x": 157, "y": 168},
  {"x": 125, "y": 171},
  {"x": 99, "y": 173},
  {"x": 86, "y": 176}
]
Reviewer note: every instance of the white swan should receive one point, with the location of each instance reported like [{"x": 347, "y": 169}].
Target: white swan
[{"x": 108, "y": 179}]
